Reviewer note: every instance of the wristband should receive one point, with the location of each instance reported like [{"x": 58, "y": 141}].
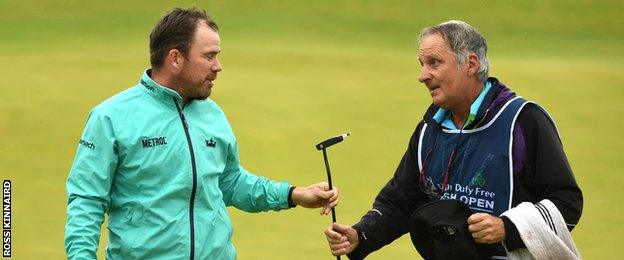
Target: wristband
[{"x": 291, "y": 204}]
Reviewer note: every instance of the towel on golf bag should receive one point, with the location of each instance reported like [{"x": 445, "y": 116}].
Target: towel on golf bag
[{"x": 543, "y": 231}]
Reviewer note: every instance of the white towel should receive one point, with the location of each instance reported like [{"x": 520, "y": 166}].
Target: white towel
[{"x": 543, "y": 231}]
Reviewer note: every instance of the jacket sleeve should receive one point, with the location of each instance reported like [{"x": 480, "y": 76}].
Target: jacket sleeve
[
  {"x": 389, "y": 218},
  {"x": 546, "y": 173},
  {"x": 247, "y": 191},
  {"x": 88, "y": 187}
]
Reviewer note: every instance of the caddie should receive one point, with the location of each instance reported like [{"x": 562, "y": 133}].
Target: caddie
[{"x": 479, "y": 144}]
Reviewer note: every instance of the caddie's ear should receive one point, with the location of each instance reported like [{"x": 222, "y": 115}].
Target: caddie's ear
[
  {"x": 175, "y": 59},
  {"x": 473, "y": 64}
]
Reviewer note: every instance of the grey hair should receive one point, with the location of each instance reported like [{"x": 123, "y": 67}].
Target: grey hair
[{"x": 463, "y": 40}]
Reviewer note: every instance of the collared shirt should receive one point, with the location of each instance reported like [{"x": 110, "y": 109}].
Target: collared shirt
[{"x": 443, "y": 116}]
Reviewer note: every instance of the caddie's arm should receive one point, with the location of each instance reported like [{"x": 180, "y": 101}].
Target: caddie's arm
[
  {"x": 548, "y": 172},
  {"x": 547, "y": 168},
  {"x": 389, "y": 217}
]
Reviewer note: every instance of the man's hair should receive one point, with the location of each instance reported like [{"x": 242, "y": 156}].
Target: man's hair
[
  {"x": 175, "y": 30},
  {"x": 463, "y": 40}
]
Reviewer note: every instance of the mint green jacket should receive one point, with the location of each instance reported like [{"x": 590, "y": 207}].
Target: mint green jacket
[{"x": 164, "y": 173}]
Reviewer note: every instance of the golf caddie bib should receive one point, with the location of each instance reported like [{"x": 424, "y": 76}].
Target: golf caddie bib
[{"x": 473, "y": 166}]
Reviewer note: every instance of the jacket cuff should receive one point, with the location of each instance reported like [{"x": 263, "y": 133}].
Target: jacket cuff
[
  {"x": 283, "y": 190},
  {"x": 513, "y": 240},
  {"x": 358, "y": 252},
  {"x": 291, "y": 204}
]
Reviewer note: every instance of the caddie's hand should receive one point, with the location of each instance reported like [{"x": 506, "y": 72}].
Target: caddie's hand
[
  {"x": 342, "y": 239},
  {"x": 486, "y": 229},
  {"x": 316, "y": 196}
]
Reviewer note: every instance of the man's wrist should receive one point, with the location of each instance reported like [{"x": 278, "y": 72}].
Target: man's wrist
[
  {"x": 358, "y": 251},
  {"x": 291, "y": 203},
  {"x": 512, "y": 240}
]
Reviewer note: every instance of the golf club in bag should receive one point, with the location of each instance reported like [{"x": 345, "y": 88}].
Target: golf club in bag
[{"x": 323, "y": 146}]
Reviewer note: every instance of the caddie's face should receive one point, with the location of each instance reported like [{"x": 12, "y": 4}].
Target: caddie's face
[
  {"x": 201, "y": 65},
  {"x": 440, "y": 73}
]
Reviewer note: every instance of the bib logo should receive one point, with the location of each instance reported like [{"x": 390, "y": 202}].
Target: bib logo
[
  {"x": 211, "y": 143},
  {"x": 477, "y": 180}
]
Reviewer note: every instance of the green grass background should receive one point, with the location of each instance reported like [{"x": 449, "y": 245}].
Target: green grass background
[{"x": 296, "y": 72}]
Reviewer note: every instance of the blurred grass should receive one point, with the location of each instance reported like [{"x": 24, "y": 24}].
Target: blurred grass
[{"x": 296, "y": 72}]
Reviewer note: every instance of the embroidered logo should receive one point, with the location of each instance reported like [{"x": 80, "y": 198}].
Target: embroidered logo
[
  {"x": 147, "y": 85},
  {"x": 147, "y": 143},
  {"x": 211, "y": 143},
  {"x": 477, "y": 181},
  {"x": 87, "y": 144}
]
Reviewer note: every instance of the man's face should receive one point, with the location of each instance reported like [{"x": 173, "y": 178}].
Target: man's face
[
  {"x": 444, "y": 80},
  {"x": 201, "y": 64}
]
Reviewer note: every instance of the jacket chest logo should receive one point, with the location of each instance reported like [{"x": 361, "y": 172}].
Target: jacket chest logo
[
  {"x": 156, "y": 141},
  {"x": 211, "y": 143}
]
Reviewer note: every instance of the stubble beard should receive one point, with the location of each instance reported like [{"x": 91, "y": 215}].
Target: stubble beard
[{"x": 193, "y": 90}]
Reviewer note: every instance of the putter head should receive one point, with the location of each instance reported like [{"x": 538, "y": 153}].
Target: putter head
[{"x": 332, "y": 141}]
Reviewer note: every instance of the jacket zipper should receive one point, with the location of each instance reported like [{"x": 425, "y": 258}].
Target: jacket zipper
[
  {"x": 482, "y": 118},
  {"x": 192, "y": 202}
]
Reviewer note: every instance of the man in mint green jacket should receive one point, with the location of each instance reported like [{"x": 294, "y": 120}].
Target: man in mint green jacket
[{"x": 161, "y": 160}]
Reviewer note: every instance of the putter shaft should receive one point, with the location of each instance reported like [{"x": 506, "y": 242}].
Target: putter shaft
[{"x": 331, "y": 187}]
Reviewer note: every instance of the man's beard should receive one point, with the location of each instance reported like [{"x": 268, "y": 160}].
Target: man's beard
[{"x": 192, "y": 89}]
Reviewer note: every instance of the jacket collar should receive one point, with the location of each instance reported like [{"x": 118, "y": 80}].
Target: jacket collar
[{"x": 157, "y": 90}]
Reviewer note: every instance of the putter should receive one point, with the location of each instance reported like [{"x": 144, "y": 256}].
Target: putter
[{"x": 323, "y": 146}]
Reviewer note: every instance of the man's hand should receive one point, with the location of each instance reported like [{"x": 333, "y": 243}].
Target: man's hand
[
  {"x": 486, "y": 229},
  {"x": 342, "y": 239},
  {"x": 316, "y": 196}
]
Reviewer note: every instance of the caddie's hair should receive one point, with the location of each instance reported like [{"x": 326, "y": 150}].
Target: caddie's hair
[
  {"x": 176, "y": 30},
  {"x": 463, "y": 40}
]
